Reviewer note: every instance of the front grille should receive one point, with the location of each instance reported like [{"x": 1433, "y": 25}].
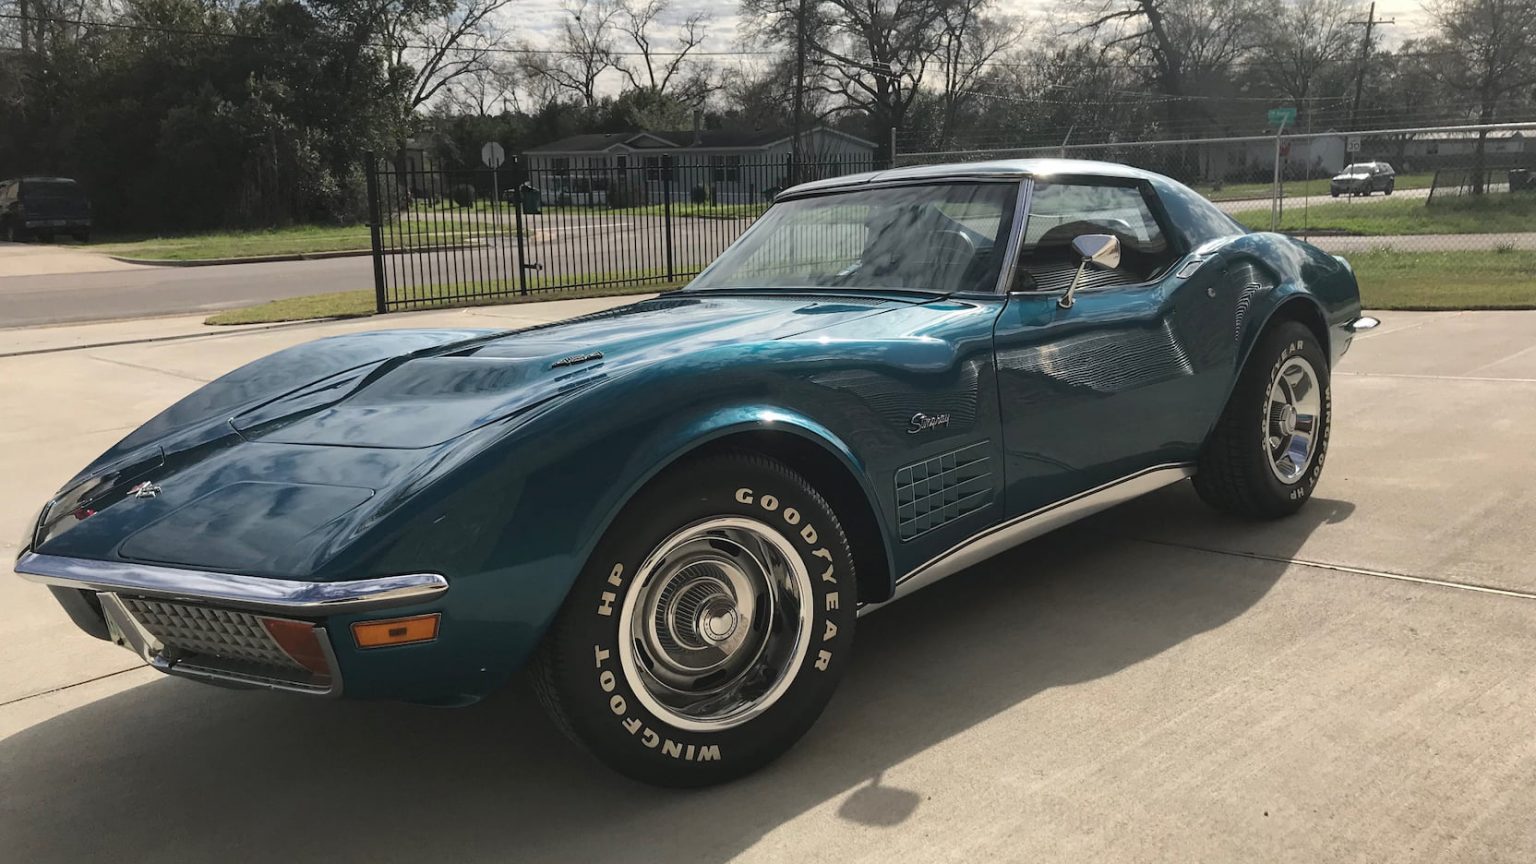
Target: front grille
[{"x": 220, "y": 642}]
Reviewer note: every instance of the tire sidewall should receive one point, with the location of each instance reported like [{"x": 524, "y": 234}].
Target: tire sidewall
[
  {"x": 600, "y": 702},
  {"x": 1285, "y": 342}
]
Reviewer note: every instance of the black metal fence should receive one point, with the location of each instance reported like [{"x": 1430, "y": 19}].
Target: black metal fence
[{"x": 541, "y": 225}]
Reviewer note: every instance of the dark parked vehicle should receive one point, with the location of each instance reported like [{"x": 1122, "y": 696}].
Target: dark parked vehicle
[
  {"x": 43, "y": 207},
  {"x": 1363, "y": 178}
]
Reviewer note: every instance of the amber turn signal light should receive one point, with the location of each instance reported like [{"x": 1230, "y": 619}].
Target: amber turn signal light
[{"x": 396, "y": 631}]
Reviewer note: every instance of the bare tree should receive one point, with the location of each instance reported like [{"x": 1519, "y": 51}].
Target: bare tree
[
  {"x": 582, "y": 52},
  {"x": 1303, "y": 41},
  {"x": 663, "y": 71},
  {"x": 969, "y": 40},
  {"x": 868, "y": 56},
  {"x": 1483, "y": 50},
  {"x": 1184, "y": 43},
  {"x": 440, "y": 50}
]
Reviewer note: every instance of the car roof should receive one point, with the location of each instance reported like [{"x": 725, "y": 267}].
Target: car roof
[
  {"x": 998, "y": 169},
  {"x": 38, "y": 180}
]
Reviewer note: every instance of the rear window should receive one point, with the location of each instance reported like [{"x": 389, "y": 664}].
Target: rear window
[{"x": 62, "y": 191}]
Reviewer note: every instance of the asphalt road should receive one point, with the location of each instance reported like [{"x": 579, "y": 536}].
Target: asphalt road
[{"x": 1158, "y": 683}]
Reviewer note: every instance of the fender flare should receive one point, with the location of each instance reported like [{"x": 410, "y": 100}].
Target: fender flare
[
  {"x": 1281, "y": 300},
  {"x": 710, "y": 427}
]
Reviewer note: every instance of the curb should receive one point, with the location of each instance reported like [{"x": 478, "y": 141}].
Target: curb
[
  {"x": 258, "y": 259},
  {"x": 179, "y": 337},
  {"x": 293, "y": 256}
]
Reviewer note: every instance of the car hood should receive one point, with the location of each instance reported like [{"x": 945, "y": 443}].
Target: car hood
[
  {"x": 270, "y": 469},
  {"x": 423, "y": 398}
]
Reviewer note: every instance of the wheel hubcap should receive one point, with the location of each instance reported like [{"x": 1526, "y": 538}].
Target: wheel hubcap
[
  {"x": 1291, "y": 419},
  {"x": 715, "y": 624}
]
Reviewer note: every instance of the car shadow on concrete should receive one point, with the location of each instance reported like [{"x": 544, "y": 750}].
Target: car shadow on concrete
[{"x": 176, "y": 771}]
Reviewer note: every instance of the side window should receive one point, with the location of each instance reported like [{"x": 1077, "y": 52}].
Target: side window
[{"x": 1061, "y": 212}]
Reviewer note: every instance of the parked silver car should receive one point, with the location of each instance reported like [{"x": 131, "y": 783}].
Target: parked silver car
[{"x": 1363, "y": 178}]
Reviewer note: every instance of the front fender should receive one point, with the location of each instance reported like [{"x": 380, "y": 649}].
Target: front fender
[{"x": 671, "y": 444}]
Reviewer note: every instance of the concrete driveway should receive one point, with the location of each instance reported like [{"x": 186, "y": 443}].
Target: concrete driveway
[{"x": 1158, "y": 683}]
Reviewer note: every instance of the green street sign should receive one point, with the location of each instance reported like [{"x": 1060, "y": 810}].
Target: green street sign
[{"x": 1282, "y": 117}]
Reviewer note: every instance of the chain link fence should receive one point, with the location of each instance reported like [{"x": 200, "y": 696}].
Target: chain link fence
[{"x": 1429, "y": 217}]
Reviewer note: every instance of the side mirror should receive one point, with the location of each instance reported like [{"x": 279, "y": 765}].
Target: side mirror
[{"x": 1100, "y": 250}]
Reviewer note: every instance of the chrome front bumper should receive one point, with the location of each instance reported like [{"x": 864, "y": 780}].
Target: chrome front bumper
[
  {"x": 220, "y": 627},
  {"x": 283, "y": 596}
]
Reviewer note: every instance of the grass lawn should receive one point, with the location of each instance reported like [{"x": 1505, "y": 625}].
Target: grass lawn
[
  {"x": 238, "y": 244},
  {"x": 296, "y": 240},
  {"x": 1299, "y": 188},
  {"x": 1446, "y": 280},
  {"x": 360, "y": 304},
  {"x": 1495, "y": 213}
]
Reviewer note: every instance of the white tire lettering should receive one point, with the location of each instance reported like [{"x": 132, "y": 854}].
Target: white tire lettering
[
  {"x": 808, "y": 534},
  {"x": 650, "y": 739},
  {"x": 791, "y": 515},
  {"x": 600, "y": 655},
  {"x": 617, "y": 705},
  {"x": 823, "y": 659},
  {"x": 831, "y": 604},
  {"x": 671, "y": 748},
  {"x": 829, "y": 632},
  {"x": 607, "y": 681},
  {"x": 744, "y": 495},
  {"x": 633, "y": 725},
  {"x": 769, "y": 503},
  {"x": 709, "y": 753},
  {"x": 614, "y": 576},
  {"x": 827, "y": 576},
  {"x": 605, "y": 607}
]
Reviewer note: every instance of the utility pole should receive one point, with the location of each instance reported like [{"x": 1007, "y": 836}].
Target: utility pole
[
  {"x": 1370, "y": 23},
  {"x": 795, "y": 148}
]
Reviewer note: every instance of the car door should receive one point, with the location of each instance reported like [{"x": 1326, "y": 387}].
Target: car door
[{"x": 1131, "y": 375}]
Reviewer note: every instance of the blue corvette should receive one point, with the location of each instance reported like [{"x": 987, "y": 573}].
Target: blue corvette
[{"x": 672, "y": 513}]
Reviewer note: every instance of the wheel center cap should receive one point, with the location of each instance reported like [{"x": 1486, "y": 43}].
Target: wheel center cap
[
  {"x": 1287, "y": 420},
  {"x": 718, "y": 621}
]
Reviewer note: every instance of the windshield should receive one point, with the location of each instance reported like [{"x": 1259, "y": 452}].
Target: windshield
[
  {"x": 1361, "y": 168},
  {"x": 935, "y": 237},
  {"x": 52, "y": 192}
]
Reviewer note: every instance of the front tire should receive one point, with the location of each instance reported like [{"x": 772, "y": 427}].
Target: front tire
[
  {"x": 1265, "y": 456},
  {"x": 709, "y": 628}
]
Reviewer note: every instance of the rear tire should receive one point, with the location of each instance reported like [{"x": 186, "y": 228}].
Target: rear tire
[
  {"x": 709, "y": 628},
  {"x": 1265, "y": 456}
]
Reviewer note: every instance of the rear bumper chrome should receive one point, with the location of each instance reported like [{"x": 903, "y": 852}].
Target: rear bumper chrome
[
  {"x": 1362, "y": 324},
  {"x": 282, "y": 596}
]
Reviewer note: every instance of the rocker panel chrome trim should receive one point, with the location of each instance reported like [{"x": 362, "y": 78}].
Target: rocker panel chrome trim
[
  {"x": 1005, "y": 536},
  {"x": 257, "y": 593}
]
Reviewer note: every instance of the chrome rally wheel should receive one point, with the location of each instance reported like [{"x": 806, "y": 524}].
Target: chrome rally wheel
[
  {"x": 717, "y": 622},
  {"x": 708, "y": 629},
  {"x": 1295, "y": 404},
  {"x": 1265, "y": 455}
]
